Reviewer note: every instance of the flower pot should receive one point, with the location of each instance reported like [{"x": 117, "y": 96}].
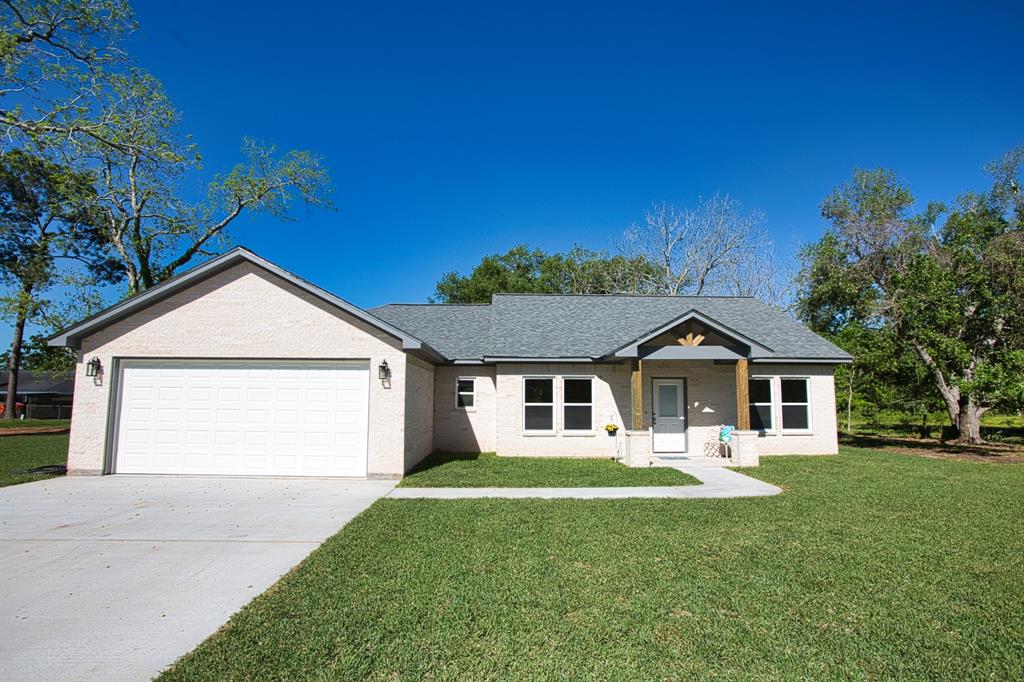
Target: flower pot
[{"x": 612, "y": 433}]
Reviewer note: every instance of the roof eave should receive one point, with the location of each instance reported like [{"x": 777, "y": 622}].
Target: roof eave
[
  {"x": 495, "y": 358},
  {"x": 802, "y": 360},
  {"x": 71, "y": 337},
  {"x": 632, "y": 349}
]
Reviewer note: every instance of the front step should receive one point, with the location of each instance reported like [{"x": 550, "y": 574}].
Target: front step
[{"x": 676, "y": 460}]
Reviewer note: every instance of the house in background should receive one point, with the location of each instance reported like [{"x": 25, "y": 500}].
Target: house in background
[
  {"x": 41, "y": 395},
  {"x": 238, "y": 367}
]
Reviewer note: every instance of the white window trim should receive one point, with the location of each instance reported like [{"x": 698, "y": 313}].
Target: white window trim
[
  {"x": 810, "y": 422},
  {"x": 554, "y": 400},
  {"x": 578, "y": 432},
  {"x": 771, "y": 404},
  {"x": 458, "y": 393}
]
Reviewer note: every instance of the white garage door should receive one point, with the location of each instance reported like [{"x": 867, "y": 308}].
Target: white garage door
[{"x": 242, "y": 418}]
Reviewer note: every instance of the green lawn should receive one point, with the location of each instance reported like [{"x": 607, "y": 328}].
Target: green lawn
[
  {"x": 869, "y": 565},
  {"x": 18, "y": 453},
  {"x": 444, "y": 470},
  {"x": 34, "y": 423}
]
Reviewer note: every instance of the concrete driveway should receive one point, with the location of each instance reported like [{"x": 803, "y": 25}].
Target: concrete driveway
[{"x": 115, "y": 577}]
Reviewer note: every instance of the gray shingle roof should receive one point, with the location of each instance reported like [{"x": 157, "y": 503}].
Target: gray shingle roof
[
  {"x": 60, "y": 383},
  {"x": 542, "y": 326},
  {"x": 457, "y": 332}
]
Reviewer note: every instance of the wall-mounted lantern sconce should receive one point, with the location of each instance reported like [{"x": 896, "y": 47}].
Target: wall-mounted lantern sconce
[
  {"x": 383, "y": 371},
  {"x": 93, "y": 368}
]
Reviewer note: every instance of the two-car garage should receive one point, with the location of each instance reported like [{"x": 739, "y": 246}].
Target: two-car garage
[
  {"x": 241, "y": 417},
  {"x": 239, "y": 368}
]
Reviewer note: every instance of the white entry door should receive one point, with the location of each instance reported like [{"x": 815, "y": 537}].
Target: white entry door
[
  {"x": 669, "y": 415},
  {"x": 242, "y": 418}
]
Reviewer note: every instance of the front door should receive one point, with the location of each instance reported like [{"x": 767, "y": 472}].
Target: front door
[{"x": 669, "y": 415}]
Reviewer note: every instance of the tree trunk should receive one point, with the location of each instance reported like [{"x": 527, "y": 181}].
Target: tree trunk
[
  {"x": 13, "y": 362},
  {"x": 968, "y": 422},
  {"x": 849, "y": 402}
]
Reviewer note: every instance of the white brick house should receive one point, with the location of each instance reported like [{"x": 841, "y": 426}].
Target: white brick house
[{"x": 238, "y": 367}]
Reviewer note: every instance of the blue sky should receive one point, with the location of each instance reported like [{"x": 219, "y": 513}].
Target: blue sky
[{"x": 453, "y": 131}]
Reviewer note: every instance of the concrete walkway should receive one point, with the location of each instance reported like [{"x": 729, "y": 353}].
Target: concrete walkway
[
  {"x": 116, "y": 577},
  {"x": 715, "y": 482}
]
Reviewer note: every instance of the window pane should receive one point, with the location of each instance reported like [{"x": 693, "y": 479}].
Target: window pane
[
  {"x": 465, "y": 385},
  {"x": 761, "y": 417},
  {"x": 578, "y": 418},
  {"x": 577, "y": 390},
  {"x": 465, "y": 400},
  {"x": 539, "y": 391},
  {"x": 668, "y": 405},
  {"x": 539, "y": 418},
  {"x": 794, "y": 417},
  {"x": 760, "y": 390},
  {"x": 794, "y": 390}
]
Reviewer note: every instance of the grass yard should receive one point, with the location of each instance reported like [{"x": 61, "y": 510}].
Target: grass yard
[
  {"x": 445, "y": 470},
  {"x": 870, "y": 565},
  {"x": 18, "y": 453},
  {"x": 34, "y": 423}
]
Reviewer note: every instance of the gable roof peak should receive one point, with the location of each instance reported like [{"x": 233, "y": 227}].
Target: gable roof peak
[{"x": 73, "y": 335}]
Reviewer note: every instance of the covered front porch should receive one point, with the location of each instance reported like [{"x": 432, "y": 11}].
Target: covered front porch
[{"x": 685, "y": 384}]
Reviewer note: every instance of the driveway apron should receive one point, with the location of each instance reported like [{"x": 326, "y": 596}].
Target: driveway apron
[{"x": 116, "y": 577}]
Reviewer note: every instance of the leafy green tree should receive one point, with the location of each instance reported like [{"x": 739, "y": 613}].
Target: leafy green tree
[
  {"x": 152, "y": 230},
  {"x": 57, "y": 57},
  {"x": 884, "y": 376},
  {"x": 38, "y": 356},
  {"x": 47, "y": 217},
  {"x": 952, "y": 294},
  {"x": 525, "y": 271},
  {"x": 71, "y": 90}
]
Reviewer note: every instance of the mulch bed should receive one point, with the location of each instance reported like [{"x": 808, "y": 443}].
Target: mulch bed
[
  {"x": 999, "y": 453},
  {"x": 34, "y": 431}
]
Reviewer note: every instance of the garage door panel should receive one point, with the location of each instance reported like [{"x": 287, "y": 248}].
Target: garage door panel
[{"x": 219, "y": 417}]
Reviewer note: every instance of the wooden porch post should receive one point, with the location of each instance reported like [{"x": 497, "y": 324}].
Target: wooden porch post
[
  {"x": 637, "y": 394},
  {"x": 742, "y": 396}
]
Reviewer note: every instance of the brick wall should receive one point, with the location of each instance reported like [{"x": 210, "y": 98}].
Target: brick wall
[
  {"x": 822, "y": 438},
  {"x": 611, "y": 402},
  {"x": 459, "y": 430},
  {"x": 419, "y": 411},
  {"x": 243, "y": 312},
  {"x": 710, "y": 395}
]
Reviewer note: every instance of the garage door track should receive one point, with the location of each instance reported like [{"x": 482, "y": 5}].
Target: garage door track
[{"x": 115, "y": 577}]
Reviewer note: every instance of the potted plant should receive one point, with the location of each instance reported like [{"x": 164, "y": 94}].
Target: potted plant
[{"x": 612, "y": 429}]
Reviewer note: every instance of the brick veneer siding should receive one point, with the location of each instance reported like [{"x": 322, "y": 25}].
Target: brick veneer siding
[
  {"x": 457, "y": 430},
  {"x": 246, "y": 313},
  {"x": 711, "y": 402},
  {"x": 710, "y": 396},
  {"x": 611, "y": 401},
  {"x": 419, "y": 411},
  {"x": 822, "y": 439}
]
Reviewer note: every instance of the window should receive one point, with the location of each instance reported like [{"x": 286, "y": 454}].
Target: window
[
  {"x": 465, "y": 393},
  {"x": 796, "y": 414},
  {"x": 538, "y": 404},
  {"x": 577, "y": 405},
  {"x": 760, "y": 391}
]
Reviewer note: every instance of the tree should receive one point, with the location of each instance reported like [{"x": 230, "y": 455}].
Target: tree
[
  {"x": 39, "y": 356},
  {"x": 92, "y": 106},
  {"x": 716, "y": 248},
  {"x": 952, "y": 295},
  {"x": 152, "y": 230},
  {"x": 46, "y": 215},
  {"x": 524, "y": 271},
  {"x": 57, "y": 57}
]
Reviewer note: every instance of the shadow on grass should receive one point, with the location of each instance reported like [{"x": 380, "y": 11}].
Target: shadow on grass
[
  {"x": 876, "y": 441},
  {"x": 436, "y": 459}
]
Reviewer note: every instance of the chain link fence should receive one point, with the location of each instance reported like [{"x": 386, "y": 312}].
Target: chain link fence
[{"x": 47, "y": 411}]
